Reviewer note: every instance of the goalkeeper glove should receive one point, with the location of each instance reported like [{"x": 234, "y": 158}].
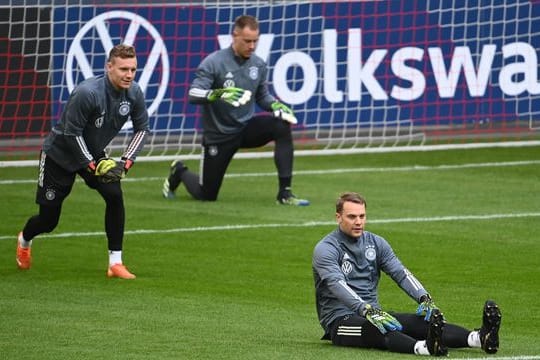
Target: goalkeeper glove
[
  {"x": 426, "y": 305},
  {"x": 380, "y": 319},
  {"x": 108, "y": 170},
  {"x": 231, "y": 95},
  {"x": 283, "y": 112},
  {"x": 104, "y": 165},
  {"x": 114, "y": 174}
]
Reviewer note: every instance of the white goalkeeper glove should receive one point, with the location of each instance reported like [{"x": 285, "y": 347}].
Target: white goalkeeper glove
[{"x": 283, "y": 112}]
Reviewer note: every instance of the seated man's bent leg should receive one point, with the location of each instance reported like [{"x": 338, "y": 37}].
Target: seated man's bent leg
[{"x": 356, "y": 331}]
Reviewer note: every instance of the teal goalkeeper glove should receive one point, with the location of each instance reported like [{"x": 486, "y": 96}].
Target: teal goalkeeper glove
[
  {"x": 382, "y": 320},
  {"x": 231, "y": 95},
  {"x": 426, "y": 305},
  {"x": 283, "y": 112}
]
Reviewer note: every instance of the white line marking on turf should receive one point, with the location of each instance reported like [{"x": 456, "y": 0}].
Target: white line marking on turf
[
  {"x": 305, "y": 224},
  {"x": 398, "y": 168},
  {"x": 519, "y": 357},
  {"x": 335, "y": 171}
]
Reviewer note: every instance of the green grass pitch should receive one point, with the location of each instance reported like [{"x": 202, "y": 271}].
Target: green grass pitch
[{"x": 232, "y": 279}]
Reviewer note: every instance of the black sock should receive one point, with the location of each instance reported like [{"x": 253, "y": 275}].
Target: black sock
[{"x": 285, "y": 183}]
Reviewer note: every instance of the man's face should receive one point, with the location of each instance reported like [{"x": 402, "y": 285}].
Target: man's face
[
  {"x": 121, "y": 72},
  {"x": 352, "y": 219},
  {"x": 245, "y": 41}
]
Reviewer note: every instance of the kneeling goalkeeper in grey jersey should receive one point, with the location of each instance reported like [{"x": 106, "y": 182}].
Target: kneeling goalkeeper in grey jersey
[
  {"x": 227, "y": 85},
  {"x": 347, "y": 264}
]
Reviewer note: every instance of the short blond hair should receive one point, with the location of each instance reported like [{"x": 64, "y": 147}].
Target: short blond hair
[
  {"x": 243, "y": 21},
  {"x": 122, "y": 51}
]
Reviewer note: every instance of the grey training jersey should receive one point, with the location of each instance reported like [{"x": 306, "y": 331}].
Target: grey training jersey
[
  {"x": 92, "y": 117},
  {"x": 222, "y": 69},
  {"x": 347, "y": 271}
]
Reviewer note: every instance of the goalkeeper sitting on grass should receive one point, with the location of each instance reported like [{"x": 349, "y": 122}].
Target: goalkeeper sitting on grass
[
  {"x": 92, "y": 117},
  {"x": 346, "y": 267},
  {"x": 228, "y": 83}
]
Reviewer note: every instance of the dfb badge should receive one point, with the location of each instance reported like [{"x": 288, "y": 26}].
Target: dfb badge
[
  {"x": 213, "y": 150},
  {"x": 50, "y": 194},
  {"x": 253, "y": 72},
  {"x": 370, "y": 253},
  {"x": 125, "y": 108}
]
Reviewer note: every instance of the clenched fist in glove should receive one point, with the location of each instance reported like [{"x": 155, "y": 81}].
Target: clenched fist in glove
[
  {"x": 382, "y": 320},
  {"x": 283, "y": 112},
  {"x": 232, "y": 95}
]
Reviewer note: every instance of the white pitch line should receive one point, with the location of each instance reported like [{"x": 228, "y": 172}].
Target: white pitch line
[
  {"x": 400, "y": 168},
  {"x": 518, "y": 357},
  {"x": 335, "y": 171},
  {"x": 304, "y": 224}
]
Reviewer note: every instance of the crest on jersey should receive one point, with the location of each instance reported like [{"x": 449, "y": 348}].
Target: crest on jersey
[
  {"x": 50, "y": 194},
  {"x": 370, "y": 253},
  {"x": 346, "y": 267},
  {"x": 253, "y": 72},
  {"x": 99, "y": 120},
  {"x": 125, "y": 108},
  {"x": 213, "y": 150}
]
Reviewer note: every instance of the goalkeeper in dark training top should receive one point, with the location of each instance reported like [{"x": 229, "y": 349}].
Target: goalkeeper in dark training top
[
  {"x": 347, "y": 265},
  {"x": 94, "y": 114},
  {"x": 228, "y": 84}
]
